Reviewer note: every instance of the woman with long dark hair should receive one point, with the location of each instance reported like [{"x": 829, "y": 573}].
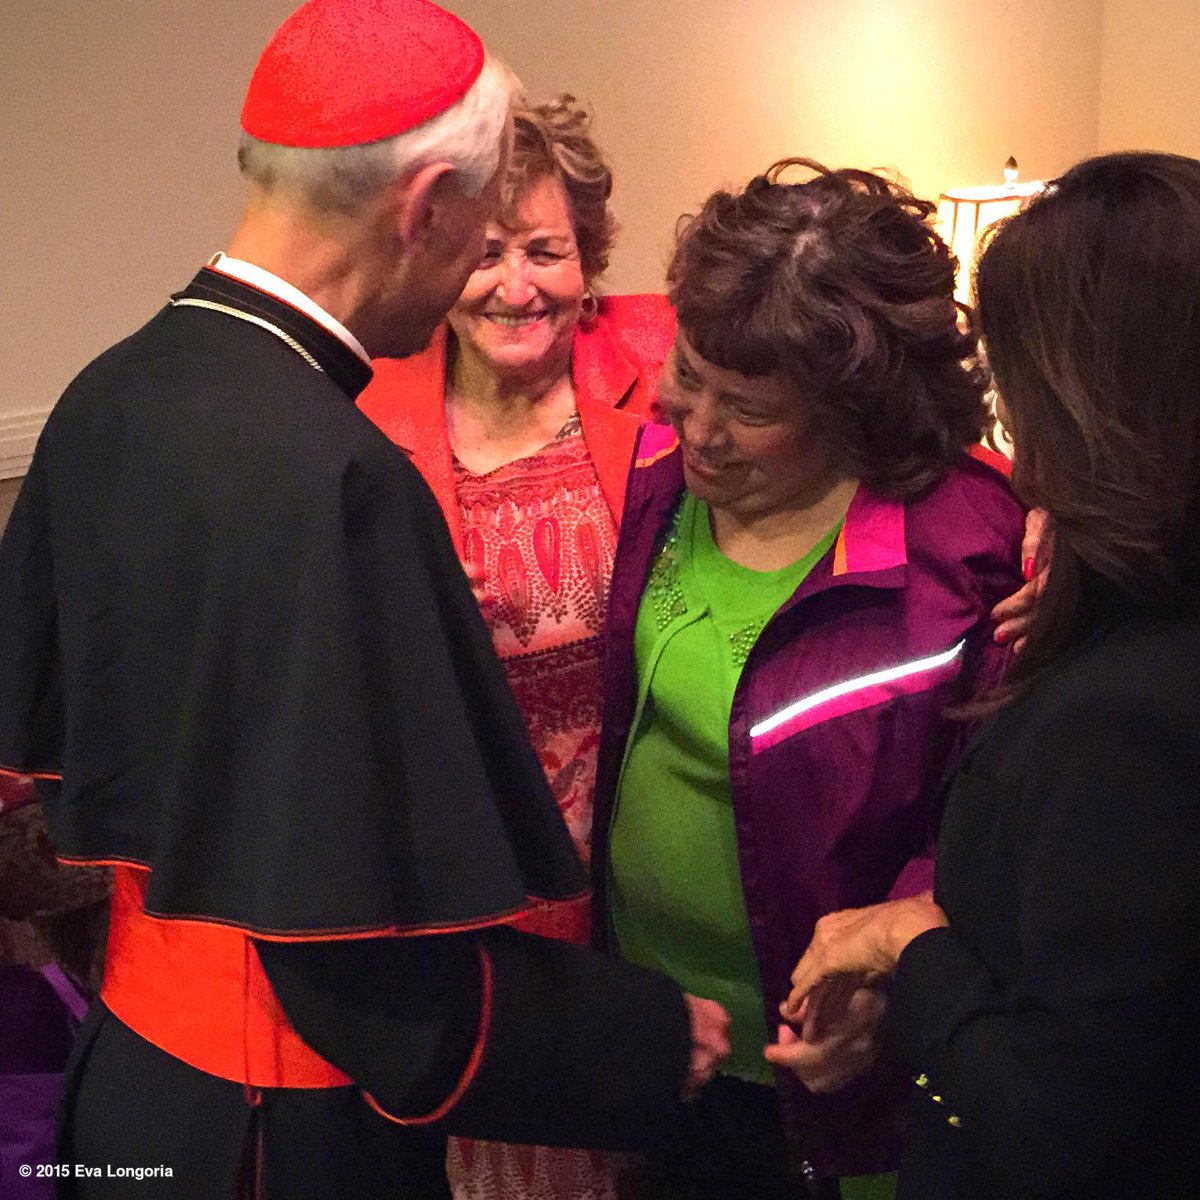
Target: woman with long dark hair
[{"x": 1046, "y": 996}]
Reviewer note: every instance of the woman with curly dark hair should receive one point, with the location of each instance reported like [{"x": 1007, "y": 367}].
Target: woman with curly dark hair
[
  {"x": 802, "y": 588},
  {"x": 1047, "y": 1001}
]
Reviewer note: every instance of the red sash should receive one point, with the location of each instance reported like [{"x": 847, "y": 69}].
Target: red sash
[{"x": 199, "y": 992}]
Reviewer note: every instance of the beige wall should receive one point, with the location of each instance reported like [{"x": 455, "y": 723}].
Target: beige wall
[
  {"x": 120, "y": 115},
  {"x": 117, "y": 143},
  {"x": 8, "y": 496},
  {"x": 692, "y": 93},
  {"x": 1149, "y": 94}
]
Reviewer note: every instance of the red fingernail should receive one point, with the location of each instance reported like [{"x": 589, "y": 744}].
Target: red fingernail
[{"x": 1029, "y": 569}]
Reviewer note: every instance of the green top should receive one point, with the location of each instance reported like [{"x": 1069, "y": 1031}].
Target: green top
[{"x": 677, "y": 902}]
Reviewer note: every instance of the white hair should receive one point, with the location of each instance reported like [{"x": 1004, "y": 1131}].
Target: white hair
[{"x": 470, "y": 135}]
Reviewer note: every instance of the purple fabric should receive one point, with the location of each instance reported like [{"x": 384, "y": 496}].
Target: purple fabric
[
  {"x": 39, "y": 1013},
  {"x": 864, "y": 694},
  {"x": 28, "y": 1109},
  {"x": 842, "y": 811},
  {"x": 74, "y": 998}
]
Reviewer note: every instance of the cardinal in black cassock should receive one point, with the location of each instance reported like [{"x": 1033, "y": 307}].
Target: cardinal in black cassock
[{"x": 241, "y": 658}]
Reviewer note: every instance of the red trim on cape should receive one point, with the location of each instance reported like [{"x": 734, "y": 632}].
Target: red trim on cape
[
  {"x": 472, "y": 1067},
  {"x": 347, "y": 933},
  {"x": 16, "y": 773}
]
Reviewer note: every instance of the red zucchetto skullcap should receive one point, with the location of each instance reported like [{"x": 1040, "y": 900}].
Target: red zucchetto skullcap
[{"x": 345, "y": 72}]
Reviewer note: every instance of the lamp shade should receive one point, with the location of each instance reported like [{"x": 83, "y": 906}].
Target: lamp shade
[{"x": 964, "y": 213}]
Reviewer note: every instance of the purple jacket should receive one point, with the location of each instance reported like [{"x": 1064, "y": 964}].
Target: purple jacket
[{"x": 837, "y": 739}]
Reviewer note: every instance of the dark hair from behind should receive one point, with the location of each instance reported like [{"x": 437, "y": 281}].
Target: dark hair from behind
[
  {"x": 1090, "y": 308},
  {"x": 840, "y": 284}
]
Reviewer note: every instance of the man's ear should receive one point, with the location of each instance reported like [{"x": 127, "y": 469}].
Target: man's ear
[{"x": 419, "y": 197}]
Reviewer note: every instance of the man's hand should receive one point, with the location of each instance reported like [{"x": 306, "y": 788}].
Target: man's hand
[
  {"x": 1014, "y": 615},
  {"x": 710, "y": 1042},
  {"x": 839, "y": 1038}
]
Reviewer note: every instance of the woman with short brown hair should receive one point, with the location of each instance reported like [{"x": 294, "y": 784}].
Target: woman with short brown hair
[
  {"x": 839, "y": 283},
  {"x": 803, "y": 585}
]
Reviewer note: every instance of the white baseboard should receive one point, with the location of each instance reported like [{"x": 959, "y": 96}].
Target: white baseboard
[{"x": 18, "y": 436}]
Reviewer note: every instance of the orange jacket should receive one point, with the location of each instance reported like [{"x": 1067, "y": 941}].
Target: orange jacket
[{"x": 615, "y": 364}]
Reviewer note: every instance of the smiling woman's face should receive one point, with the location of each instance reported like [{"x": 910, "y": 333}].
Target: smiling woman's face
[
  {"x": 748, "y": 446},
  {"x": 518, "y": 313}
]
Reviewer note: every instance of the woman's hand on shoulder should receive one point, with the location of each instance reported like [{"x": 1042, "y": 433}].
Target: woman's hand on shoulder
[{"x": 1014, "y": 615}]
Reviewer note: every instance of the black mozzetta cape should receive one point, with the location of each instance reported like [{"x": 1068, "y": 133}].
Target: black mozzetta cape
[
  {"x": 236, "y": 642},
  {"x": 232, "y": 621}
]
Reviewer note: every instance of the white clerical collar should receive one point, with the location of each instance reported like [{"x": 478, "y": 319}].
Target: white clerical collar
[{"x": 270, "y": 283}]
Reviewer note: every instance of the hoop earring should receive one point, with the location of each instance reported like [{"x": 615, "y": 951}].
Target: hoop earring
[{"x": 589, "y": 306}]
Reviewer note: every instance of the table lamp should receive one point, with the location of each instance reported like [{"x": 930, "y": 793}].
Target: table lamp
[{"x": 964, "y": 213}]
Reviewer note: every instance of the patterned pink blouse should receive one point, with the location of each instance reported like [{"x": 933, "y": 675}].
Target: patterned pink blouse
[
  {"x": 544, "y": 536},
  {"x": 542, "y": 532}
]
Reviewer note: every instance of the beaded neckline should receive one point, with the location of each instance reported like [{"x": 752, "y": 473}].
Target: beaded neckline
[{"x": 669, "y": 602}]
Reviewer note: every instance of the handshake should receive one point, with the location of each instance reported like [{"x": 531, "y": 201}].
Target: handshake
[
  {"x": 831, "y": 1030},
  {"x": 840, "y": 1037}
]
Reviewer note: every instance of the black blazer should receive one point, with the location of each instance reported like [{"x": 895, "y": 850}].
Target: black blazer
[{"x": 1054, "y": 1027}]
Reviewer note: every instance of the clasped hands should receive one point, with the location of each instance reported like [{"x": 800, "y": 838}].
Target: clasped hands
[{"x": 838, "y": 1000}]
